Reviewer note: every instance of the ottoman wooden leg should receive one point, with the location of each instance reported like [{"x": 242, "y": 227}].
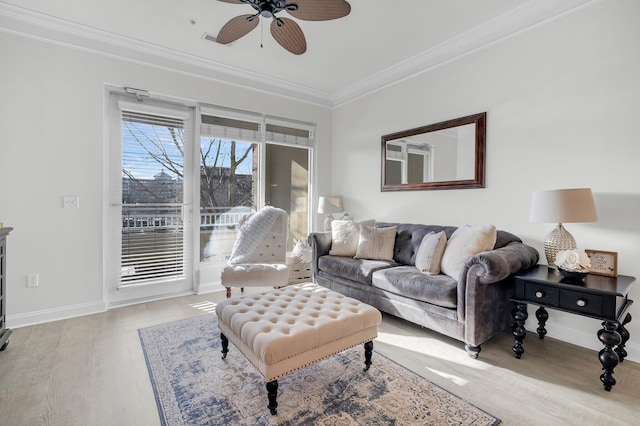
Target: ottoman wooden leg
[
  {"x": 368, "y": 350},
  {"x": 225, "y": 345},
  {"x": 272, "y": 393}
]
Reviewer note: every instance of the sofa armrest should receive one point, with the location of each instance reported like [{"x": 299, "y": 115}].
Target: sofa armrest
[
  {"x": 320, "y": 243},
  {"x": 486, "y": 309},
  {"x": 498, "y": 264}
]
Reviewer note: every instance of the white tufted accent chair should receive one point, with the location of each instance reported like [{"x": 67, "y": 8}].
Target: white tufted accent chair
[{"x": 266, "y": 266}]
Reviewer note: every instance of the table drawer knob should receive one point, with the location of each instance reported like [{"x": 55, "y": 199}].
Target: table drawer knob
[
  {"x": 539, "y": 294},
  {"x": 581, "y": 302}
]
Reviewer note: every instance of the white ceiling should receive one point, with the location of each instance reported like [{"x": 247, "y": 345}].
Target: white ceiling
[{"x": 378, "y": 43}]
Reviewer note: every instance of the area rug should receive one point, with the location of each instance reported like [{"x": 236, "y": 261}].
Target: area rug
[{"x": 194, "y": 386}]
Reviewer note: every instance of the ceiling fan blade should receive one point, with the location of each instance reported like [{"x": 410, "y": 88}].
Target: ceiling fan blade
[
  {"x": 232, "y": 1},
  {"x": 236, "y": 28},
  {"x": 320, "y": 10},
  {"x": 289, "y": 35}
]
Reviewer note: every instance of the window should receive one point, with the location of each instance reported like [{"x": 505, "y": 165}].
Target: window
[
  {"x": 247, "y": 161},
  {"x": 167, "y": 159}
]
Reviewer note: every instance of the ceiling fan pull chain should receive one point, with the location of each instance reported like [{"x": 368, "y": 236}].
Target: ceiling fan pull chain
[{"x": 261, "y": 32}]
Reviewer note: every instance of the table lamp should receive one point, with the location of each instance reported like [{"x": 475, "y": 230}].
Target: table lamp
[
  {"x": 561, "y": 206},
  {"x": 329, "y": 205}
]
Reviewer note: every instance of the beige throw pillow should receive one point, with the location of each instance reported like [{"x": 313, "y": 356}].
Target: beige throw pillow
[
  {"x": 465, "y": 242},
  {"x": 430, "y": 252},
  {"x": 376, "y": 243},
  {"x": 345, "y": 235}
]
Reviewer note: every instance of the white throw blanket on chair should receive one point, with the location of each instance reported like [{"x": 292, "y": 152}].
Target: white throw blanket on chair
[{"x": 252, "y": 232}]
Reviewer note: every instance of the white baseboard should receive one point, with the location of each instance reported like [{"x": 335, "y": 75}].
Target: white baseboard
[
  {"x": 585, "y": 339},
  {"x": 209, "y": 288},
  {"x": 56, "y": 314}
]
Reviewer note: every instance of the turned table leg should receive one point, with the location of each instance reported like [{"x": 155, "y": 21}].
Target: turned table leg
[
  {"x": 520, "y": 315},
  {"x": 624, "y": 335},
  {"x": 368, "y": 351},
  {"x": 608, "y": 358},
  {"x": 272, "y": 393},
  {"x": 542, "y": 316},
  {"x": 225, "y": 345}
]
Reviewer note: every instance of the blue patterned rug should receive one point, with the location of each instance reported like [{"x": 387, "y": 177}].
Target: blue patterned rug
[{"x": 194, "y": 386}]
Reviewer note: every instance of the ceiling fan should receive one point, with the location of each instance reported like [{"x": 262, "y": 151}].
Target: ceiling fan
[{"x": 284, "y": 30}]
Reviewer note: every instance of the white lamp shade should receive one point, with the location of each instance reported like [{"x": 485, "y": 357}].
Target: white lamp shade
[
  {"x": 563, "y": 206},
  {"x": 330, "y": 205}
]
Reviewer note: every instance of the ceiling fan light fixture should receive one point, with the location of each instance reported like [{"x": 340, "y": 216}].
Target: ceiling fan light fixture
[{"x": 285, "y": 31}]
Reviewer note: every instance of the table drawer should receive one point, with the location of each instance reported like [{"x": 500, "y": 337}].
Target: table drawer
[
  {"x": 590, "y": 304},
  {"x": 543, "y": 294}
]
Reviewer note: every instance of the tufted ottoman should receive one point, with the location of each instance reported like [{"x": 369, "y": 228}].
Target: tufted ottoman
[{"x": 287, "y": 329}]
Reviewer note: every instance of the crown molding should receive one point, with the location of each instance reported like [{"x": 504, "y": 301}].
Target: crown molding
[
  {"x": 38, "y": 26},
  {"x": 529, "y": 15},
  {"x": 17, "y": 20}
]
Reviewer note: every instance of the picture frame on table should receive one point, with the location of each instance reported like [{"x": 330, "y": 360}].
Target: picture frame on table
[{"x": 603, "y": 262}]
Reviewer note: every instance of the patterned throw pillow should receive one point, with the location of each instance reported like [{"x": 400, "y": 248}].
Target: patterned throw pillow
[
  {"x": 345, "y": 235},
  {"x": 430, "y": 253},
  {"x": 376, "y": 243}
]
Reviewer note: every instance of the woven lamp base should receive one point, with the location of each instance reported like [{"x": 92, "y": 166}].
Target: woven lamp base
[{"x": 558, "y": 239}]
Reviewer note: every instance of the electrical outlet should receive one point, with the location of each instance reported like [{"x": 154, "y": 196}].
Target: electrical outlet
[
  {"x": 32, "y": 280},
  {"x": 71, "y": 202}
]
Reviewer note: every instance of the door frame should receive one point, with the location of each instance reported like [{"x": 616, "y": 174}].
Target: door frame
[{"x": 114, "y": 294}]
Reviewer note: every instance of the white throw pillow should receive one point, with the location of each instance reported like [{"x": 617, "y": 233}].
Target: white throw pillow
[
  {"x": 376, "y": 243},
  {"x": 466, "y": 241},
  {"x": 345, "y": 235},
  {"x": 430, "y": 252}
]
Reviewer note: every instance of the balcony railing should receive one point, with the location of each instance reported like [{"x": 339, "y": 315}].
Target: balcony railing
[
  {"x": 159, "y": 217},
  {"x": 152, "y": 235}
]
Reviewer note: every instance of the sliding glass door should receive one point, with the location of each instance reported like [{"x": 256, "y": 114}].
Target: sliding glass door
[
  {"x": 180, "y": 183},
  {"x": 247, "y": 161}
]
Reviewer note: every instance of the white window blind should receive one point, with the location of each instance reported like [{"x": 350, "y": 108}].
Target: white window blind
[
  {"x": 152, "y": 197},
  {"x": 288, "y": 132},
  {"x": 230, "y": 128}
]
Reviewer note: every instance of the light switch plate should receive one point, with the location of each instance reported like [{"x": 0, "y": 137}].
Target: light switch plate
[
  {"x": 33, "y": 280},
  {"x": 71, "y": 202}
]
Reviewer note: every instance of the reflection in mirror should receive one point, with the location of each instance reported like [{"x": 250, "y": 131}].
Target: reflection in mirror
[{"x": 438, "y": 156}]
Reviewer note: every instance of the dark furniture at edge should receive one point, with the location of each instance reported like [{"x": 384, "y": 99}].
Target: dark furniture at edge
[
  {"x": 4, "y": 331},
  {"x": 599, "y": 297}
]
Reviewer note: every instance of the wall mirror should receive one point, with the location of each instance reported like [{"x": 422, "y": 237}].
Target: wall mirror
[{"x": 446, "y": 155}]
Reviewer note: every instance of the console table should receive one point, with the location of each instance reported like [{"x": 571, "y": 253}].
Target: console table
[
  {"x": 4, "y": 331},
  {"x": 600, "y": 297}
]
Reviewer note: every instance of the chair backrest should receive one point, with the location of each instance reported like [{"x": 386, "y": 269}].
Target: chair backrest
[{"x": 256, "y": 243}]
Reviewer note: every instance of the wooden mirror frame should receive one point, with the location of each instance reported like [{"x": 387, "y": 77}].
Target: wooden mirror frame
[{"x": 480, "y": 139}]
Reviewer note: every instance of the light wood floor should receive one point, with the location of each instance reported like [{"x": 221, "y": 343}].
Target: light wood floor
[{"x": 91, "y": 371}]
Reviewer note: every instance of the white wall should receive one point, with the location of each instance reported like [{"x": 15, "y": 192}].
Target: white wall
[
  {"x": 562, "y": 102},
  {"x": 51, "y": 144}
]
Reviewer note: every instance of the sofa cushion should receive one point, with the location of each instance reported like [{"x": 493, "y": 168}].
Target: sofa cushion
[
  {"x": 408, "y": 281},
  {"x": 345, "y": 235},
  {"x": 359, "y": 270},
  {"x": 408, "y": 239},
  {"x": 466, "y": 242},
  {"x": 376, "y": 243},
  {"x": 430, "y": 253}
]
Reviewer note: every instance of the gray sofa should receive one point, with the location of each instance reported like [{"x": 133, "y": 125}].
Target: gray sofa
[{"x": 472, "y": 309}]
